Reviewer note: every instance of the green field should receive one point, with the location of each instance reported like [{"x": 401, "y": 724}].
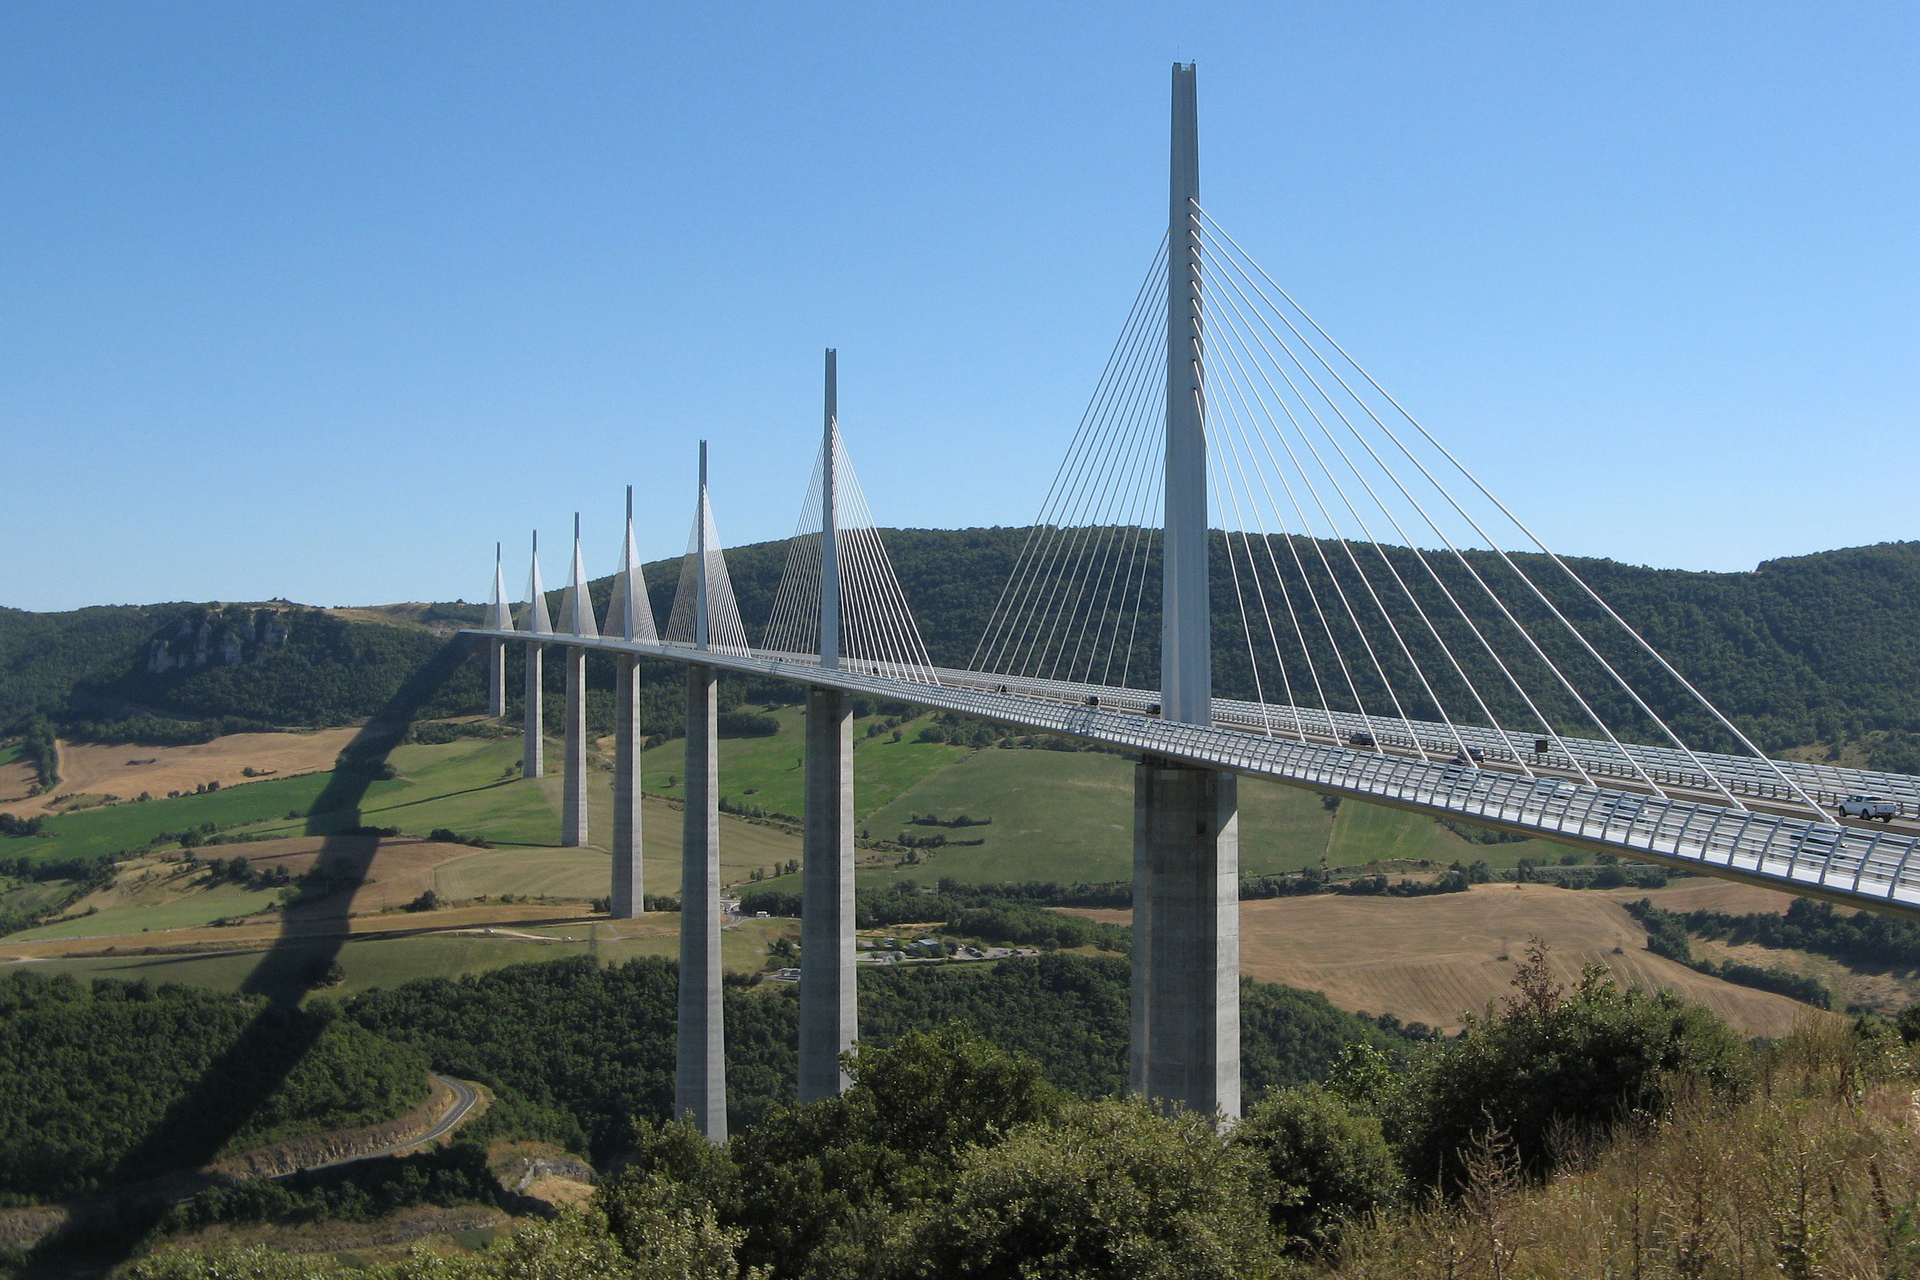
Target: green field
[
  {"x": 112, "y": 829},
  {"x": 30, "y": 895},
  {"x": 1056, "y": 815},
  {"x": 771, "y": 772},
  {"x": 388, "y": 962},
  {"x": 201, "y": 907},
  {"x": 9, "y": 751}
]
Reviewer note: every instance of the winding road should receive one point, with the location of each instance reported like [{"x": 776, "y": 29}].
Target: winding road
[{"x": 465, "y": 1099}]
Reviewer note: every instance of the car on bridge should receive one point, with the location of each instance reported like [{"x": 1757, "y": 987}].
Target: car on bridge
[
  {"x": 1869, "y": 807},
  {"x": 1360, "y": 738}
]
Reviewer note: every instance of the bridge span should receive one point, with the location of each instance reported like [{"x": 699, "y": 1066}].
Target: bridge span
[{"x": 1397, "y": 654}]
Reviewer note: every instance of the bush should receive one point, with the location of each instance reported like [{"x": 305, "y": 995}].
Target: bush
[
  {"x": 1325, "y": 1162},
  {"x": 1556, "y": 1064},
  {"x": 1111, "y": 1189}
]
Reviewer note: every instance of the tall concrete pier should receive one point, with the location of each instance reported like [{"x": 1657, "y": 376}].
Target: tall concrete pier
[
  {"x": 628, "y": 898},
  {"x": 576, "y": 620},
  {"x": 1186, "y": 983},
  {"x": 629, "y": 616},
  {"x": 499, "y": 618},
  {"x": 828, "y": 1002},
  {"x": 1190, "y": 822},
  {"x": 700, "y": 1067},
  {"x": 533, "y": 742},
  {"x": 537, "y": 625},
  {"x": 573, "y": 799}
]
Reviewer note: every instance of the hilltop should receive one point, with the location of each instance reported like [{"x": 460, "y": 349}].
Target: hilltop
[{"x": 1815, "y": 653}]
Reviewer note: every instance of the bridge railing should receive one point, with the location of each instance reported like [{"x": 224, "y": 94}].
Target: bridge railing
[{"x": 1845, "y": 863}]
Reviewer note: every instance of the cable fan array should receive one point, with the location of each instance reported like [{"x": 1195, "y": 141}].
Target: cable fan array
[
  {"x": 877, "y": 631},
  {"x": 1090, "y": 567},
  {"x": 1361, "y": 588},
  {"x": 724, "y": 630}
]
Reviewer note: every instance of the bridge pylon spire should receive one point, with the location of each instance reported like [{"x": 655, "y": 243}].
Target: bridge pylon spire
[
  {"x": 1186, "y": 633},
  {"x": 830, "y": 520},
  {"x": 499, "y": 618},
  {"x": 533, "y": 752},
  {"x": 703, "y": 520}
]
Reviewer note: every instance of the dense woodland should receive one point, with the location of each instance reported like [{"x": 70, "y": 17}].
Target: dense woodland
[
  {"x": 107, "y": 1084},
  {"x": 1570, "y": 1132},
  {"x": 1814, "y": 649},
  {"x": 581, "y": 1051},
  {"x": 117, "y": 1081}
]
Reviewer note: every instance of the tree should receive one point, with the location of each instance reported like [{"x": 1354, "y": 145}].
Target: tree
[
  {"x": 1111, "y": 1189},
  {"x": 1553, "y": 1061},
  {"x": 1326, "y": 1162}
]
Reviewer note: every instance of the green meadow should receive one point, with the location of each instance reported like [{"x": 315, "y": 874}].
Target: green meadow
[
  {"x": 771, "y": 772},
  {"x": 1062, "y": 816},
  {"x": 386, "y": 962}
]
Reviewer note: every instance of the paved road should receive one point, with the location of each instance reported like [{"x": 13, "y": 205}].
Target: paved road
[{"x": 465, "y": 1098}]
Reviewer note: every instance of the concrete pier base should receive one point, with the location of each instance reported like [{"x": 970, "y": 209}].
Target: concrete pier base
[
  {"x": 1142, "y": 968},
  {"x": 573, "y": 802},
  {"x": 533, "y": 747},
  {"x": 496, "y": 678},
  {"x": 828, "y": 1003},
  {"x": 629, "y": 881},
  {"x": 700, "y": 1074},
  {"x": 1187, "y": 835}
]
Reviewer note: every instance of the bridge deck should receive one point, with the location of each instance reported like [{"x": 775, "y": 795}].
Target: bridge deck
[{"x": 1846, "y": 865}]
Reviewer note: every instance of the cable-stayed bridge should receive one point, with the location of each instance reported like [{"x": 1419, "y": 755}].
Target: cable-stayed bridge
[{"x": 1236, "y": 474}]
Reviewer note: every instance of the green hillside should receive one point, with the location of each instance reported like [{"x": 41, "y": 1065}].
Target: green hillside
[{"x": 1814, "y": 650}]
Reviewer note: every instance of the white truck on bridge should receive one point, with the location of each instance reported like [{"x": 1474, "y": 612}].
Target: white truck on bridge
[{"x": 1869, "y": 807}]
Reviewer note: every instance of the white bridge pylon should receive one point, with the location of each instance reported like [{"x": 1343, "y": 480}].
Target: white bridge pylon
[
  {"x": 846, "y": 607},
  {"x": 1252, "y": 563}
]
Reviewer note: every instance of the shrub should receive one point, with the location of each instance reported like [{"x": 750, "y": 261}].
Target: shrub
[
  {"x": 1326, "y": 1163},
  {"x": 1552, "y": 1064}
]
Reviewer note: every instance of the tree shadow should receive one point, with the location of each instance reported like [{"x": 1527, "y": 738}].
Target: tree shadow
[{"x": 236, "y": 1084}]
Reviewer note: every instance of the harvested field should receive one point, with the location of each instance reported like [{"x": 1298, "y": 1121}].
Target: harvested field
[
  {"x": 16, "y": 779},
  {"x": 127, "y": 769},
  {"x": 1702, "y": 893},
  {"x": 1435, "y": 959}
]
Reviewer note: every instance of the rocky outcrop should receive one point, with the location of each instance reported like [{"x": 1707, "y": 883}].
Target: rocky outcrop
[{"x": 226, "y": 637}]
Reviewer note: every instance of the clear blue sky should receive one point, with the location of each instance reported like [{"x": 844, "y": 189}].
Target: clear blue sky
[{"x": 319, "y": 300}]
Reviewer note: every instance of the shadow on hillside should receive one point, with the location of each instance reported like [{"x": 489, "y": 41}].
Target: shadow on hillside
[{"x": 236, "y": 1084}]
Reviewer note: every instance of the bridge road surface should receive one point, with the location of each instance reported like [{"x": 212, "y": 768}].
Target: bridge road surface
[{"x": 1845, "y": 865}]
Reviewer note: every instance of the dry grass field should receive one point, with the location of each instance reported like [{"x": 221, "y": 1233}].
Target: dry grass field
[
  {"x": 1702, "y": 893},
  {"x": 1436, "y": 959},
  {"x": 16, "y": 779},
  {"x": 124, "y": 770}
]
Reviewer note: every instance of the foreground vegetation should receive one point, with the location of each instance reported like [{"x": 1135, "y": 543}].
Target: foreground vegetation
[{"x": 1583, "y": 1132}]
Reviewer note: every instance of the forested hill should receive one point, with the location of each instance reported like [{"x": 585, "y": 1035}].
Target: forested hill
[
  {"x": 182, "y": 672},
  {"x": 1814, "y": 649}
]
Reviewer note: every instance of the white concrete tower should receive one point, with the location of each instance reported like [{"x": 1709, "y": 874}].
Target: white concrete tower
[
  {"x": 1186, "y": 960},
  {"x": 700, "y": 1066},
  {"x": 828, "y": 1000},
  {"x": 629, "y": 616},
  {"x": 499, "y": 618},
  {"x": 576, "y": 619},
  {"x": 1186, "y": 662},
  {"x": 537, "y": 625}
]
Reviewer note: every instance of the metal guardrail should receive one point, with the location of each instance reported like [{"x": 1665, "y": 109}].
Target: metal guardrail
[
  {"x": 1855, "y": 866},
  {"x": 1666, "y": 766}
]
